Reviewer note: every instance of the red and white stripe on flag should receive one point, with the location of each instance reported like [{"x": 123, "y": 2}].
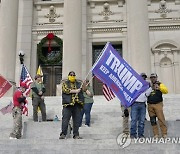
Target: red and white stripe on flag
[
  {"x": 25, "y": 109},
  {"x": 26, "y": 78},
  {"x": 107, "y": 92},
  {"x": 7, "y": 109}
]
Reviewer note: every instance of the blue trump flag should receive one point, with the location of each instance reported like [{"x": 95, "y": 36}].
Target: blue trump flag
[{"x": 118, "y": 75}]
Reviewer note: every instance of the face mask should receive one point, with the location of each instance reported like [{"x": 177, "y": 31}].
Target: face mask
[{"x": 72, "y": 78}]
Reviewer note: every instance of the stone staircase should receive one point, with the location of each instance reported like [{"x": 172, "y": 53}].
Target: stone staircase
[{"x": 101, "y": 137}]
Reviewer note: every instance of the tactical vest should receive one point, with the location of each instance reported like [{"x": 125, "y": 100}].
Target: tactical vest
[{"x": 67, "y": 98}]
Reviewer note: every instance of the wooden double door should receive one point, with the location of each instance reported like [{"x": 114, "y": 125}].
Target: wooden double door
[{"x": 52, "y": 76}]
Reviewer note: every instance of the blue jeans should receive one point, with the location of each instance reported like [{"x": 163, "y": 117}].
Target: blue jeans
[
  {"x": 87, "y": 111},
  {"x": 138, "y": 113}
]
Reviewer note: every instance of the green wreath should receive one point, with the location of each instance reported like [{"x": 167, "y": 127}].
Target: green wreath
[{"x": 44, "y": 59}]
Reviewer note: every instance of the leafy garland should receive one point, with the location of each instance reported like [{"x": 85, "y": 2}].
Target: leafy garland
[{"x": 44, "y": 59}]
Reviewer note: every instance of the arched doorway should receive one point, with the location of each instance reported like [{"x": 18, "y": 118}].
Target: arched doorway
[
  {"x": 167, "y": 71},
  {"x": 50, "y": 58},
  {"x": 166, "y": 64}
]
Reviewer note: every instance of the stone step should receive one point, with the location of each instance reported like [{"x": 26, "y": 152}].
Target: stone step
[
  {"x": 82, "y": 151},
  {"x": 172, "y": 126},
  {"x": 106, "y": 126},
  {"x": 41, "y": 130},
  {"x": 83, "y": 146},
  {"x": 74, "y": 151}
]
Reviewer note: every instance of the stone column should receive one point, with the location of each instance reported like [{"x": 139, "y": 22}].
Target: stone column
[
  {"x": 24, "y": 36},
  {"x": 176, "y": 72},
  {"x": 138, "y": 35},
  {"x": 85, "y": 53},
  {"x": 72, "y": 37},
  {"x": 8, "y": 35},
  {"x": 156, "y": 64},
  {"x": 34, "y": 61}
]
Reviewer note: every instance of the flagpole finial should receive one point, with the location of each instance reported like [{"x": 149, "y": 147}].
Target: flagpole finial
[{"x": 21, "y": 56}]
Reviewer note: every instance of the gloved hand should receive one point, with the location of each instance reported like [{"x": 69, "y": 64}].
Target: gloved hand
[
  {"x": 76, "y": 91},
  {"x": 126, "y": 113},
  {"x": 84, "y": 86}
]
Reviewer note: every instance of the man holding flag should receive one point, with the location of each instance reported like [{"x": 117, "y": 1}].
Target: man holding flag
[
  {"x": 20, "y": 103},
  {"x": 72, "y": 101},
  {"x": 19, "y": 100},
  {"x": 138, "y": 113},
  {"x": 120, "y": 77}
]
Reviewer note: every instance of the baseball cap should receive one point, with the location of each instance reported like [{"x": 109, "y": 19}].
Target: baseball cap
[
  {"x": 38, "y": 76},
  {"x": 23, "y": 85},
  {"x": 153, "y": 75},
  {"x": 143, "y": 74},
  {"x": 72, "y": 72}
]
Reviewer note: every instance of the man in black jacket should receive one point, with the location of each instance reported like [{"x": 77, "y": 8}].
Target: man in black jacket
[
  {"x": 155, "y": 106},
  {"x": 72, "y": 101}
]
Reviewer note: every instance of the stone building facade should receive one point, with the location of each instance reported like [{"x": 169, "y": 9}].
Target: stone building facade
[{"x": 145, "y": 32}]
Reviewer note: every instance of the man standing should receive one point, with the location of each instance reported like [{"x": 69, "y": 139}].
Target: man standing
[
  {"x": 88, "y": 102},
  {"x": 125, "y": 115},
  {"x": 18, "y": 100},
  {"x": 155, "y": 106},
  {"x": 138, "y": 112},
  {"x": 72, "y": 100},
  {"x": 38, "y": 91}
]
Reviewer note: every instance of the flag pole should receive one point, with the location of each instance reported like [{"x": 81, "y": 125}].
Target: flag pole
[
  {"x": 13, "y": 83},
  {"x": 98, "y": 58},
  {"x": 100, "y": 55},
  {"x": 90, "y": 80}
]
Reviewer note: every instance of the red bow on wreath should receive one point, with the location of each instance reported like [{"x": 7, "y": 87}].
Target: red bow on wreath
[{"x": 50, "y": 37}]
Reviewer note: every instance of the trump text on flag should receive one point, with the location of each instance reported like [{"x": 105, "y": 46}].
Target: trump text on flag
[{"x": 119, "y": 76}]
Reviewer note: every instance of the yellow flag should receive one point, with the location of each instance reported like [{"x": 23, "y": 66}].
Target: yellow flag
[{"x": 39, "y": 72}]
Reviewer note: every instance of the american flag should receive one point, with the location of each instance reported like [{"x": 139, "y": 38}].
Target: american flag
[
  {"x": 25, "y": 108},
  {"x": 107, "y": 92},
  {"x": 7, "y": 109},
  {"x": 26, "y": 78}
]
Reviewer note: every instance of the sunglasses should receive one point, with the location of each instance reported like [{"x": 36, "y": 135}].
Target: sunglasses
[
  {"x": 153, "y": 77},
  {"x": 72, "y": 75}
]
